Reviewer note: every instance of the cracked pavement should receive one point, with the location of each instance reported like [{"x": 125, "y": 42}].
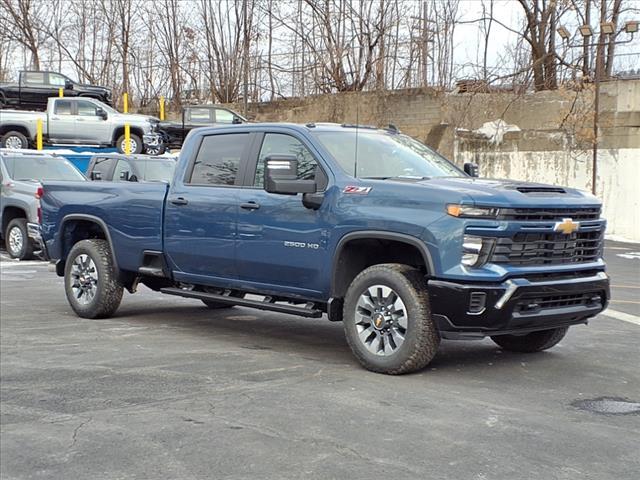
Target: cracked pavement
[{"x": 168, "y": 389}]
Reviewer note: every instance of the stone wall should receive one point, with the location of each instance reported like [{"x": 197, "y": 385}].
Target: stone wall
[{"x": 541, "y": 136}]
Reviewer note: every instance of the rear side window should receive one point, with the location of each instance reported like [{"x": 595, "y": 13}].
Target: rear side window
[
  {"x": 218, "y": 159},
  {"x": 63, "y": 107},
  {"x": 34, "y": 78},
  {"x": 103, "y": 166},
  {"x": 200, "y": 115}
]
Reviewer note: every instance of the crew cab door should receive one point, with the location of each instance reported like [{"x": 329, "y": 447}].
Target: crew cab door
[
  {"x": 202, "y": 211},
  {"x": 61, "y": 126},
  {"x": 91, "y": 127},
  {"x": 281, "y": 244}
]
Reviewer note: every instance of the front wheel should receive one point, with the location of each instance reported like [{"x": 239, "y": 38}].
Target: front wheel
[
  {"x": 531, "y": 342},
  {"x": 17, "y": 241},
  {"x": 92, "y": 288},
  {"x": 387, "y": 319},
  {"x": 135, "y": 144}
]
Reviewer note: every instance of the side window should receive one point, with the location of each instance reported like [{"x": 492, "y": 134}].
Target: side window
[
  {"x": 34, "y": 78},
  {"x": 218, "y": 159},
  {"x": 103, "y": 166},
  {"x": 63, "y": 107},
  {"x": 86, "y": 109},
  {"x": 223, "y": 116},
  {"x": 56, "y": 79},
  {"x": 122, "y": 171},
  {"x": 281, "y": 144},
  {"x": 200, "y": 115}
]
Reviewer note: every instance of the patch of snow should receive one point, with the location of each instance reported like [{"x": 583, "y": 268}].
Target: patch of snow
[{"x": 495, "y": 130}]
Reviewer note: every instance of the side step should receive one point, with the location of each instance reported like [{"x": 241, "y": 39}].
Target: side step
[{"x": 260, "y": 305}]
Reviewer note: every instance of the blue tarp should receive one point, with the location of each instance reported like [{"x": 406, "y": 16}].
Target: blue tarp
[{"x": 81, "y": 155}]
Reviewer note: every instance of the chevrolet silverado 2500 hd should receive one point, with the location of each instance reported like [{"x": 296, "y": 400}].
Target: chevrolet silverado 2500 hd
[{"x": 366, "y": 225}]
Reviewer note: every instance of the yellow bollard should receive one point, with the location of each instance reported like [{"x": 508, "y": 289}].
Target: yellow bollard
[
  {"x": 125, "y": 102},
  {"x": 161, "y": 108},
  {"x": 127, "y": 139},
  {"x": 39, "y": 134},
  {"x": 61, "y": 92}
]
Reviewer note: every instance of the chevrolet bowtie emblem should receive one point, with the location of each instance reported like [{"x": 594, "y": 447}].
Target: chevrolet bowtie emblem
[{"x": 566, "y": 226}]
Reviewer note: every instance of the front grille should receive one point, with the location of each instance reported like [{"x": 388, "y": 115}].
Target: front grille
[
  {"x": 547, "y": 248},
  {"x": 547, "y": 302},
  {"x": 555, "y": 214}
]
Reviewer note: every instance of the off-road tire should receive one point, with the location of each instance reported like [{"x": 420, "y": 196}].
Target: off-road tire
[
  {"x": 421, "y": 338},
  {"x": 24, "y": 140},
  {"x": 531, "y": 342},
  {"x": 108, "y": 290},
  {"x": 133, "y": 137},
  {"x": 26, "y": 251}
]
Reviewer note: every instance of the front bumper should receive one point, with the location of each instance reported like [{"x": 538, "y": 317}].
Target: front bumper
[
  {"x": 518, "y": 305},
  {"x": 153, "y": 139}
]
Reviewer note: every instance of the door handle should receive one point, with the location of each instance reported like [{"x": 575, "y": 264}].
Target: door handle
[
  {"x": 250, "y": 206},
  {"x": 179, "y": 201}
]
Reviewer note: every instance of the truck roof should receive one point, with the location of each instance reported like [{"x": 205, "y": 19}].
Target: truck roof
[{"x": 307, "y": 127}]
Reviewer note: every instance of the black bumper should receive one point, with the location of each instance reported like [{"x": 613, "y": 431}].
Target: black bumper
[{"x": 517, "y": 305}]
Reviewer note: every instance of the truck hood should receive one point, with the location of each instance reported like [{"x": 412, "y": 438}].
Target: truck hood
[
  {"x": 93, "y": 88},
  {"x": 511, "y": 193},
  {"x": 130, "y": 117}
]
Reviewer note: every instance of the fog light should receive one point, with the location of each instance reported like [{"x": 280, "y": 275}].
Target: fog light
[{"x": 477, "y": 301}]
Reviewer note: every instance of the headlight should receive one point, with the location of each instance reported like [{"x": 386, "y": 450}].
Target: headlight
[
  {"x": 472, "y": 212},
  {"x": 476, "y": 250}
]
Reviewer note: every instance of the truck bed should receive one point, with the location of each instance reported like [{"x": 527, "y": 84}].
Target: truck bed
[{"x": 132, "y": 214}]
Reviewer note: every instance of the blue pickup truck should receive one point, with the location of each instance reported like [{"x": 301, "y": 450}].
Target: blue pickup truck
[{"x": 365, "y": 225}]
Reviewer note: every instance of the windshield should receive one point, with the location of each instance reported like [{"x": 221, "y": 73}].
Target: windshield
[
  {"x": 37, "y": 168},
  {"x": 156, "y": 170},
  {"x": 385, "y": 155}
]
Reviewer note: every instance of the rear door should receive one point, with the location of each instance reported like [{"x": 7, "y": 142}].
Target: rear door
[
  {"x": 34, "y": 89},
  {"x": 202, "y": 211},
  {"x": 281, "y": 243},
  {"x": 62, "y": 121}
]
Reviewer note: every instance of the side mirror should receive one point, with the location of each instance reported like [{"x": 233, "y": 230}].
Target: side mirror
[
  {"x": 68, "y": 85},
  {"x": 101, "y": 113},
  {"x": 471, "y": 169},
  {"x": 96, "y": 176},
  {"x": 281, "y": 176},
  {"x": 124, "y": 176},
  {"x": 236, "y": 120}
]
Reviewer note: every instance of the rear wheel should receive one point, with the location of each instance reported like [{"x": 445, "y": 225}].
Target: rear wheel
[
  {"x": 387, "y": 319},
  {"x": 92, "y": 288},
  {"x": 14, "y": 140},
  {"x": 531, "y": 342},
  {"x": 135, "y": 144},
  {"x": 17, "y": 241}
]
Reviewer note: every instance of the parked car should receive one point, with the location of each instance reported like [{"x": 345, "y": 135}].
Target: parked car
[
  {"x": 21, "y": 174},
  {"x": 195, "y": 116},
  {"x": 131, "y": 168},
  {"x": 368, "y": 226},
  {"x": 35, "y": 87},
  {"x": 78, "y": 121}
]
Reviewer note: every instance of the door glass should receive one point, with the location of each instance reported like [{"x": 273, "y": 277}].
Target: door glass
[
  {"x": 104, "y": 166},
  {"x": 63, "y": 107},
  {"x": 122, "y": 171},
  {"x": 34, "y": 78},
  {"x": 223, "y": 116},
  {"x": 280, "y": 144},
  {"x": 218, "y": 159},
  {"x": 86, "y": 109},
  {"x": 56, "y": 79},
  {"x": 200, "y": 115}
]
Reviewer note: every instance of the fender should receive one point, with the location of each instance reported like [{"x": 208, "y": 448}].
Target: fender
[
  {"x": 382, "y": 235},
  {"x": 91, "y": 218}
]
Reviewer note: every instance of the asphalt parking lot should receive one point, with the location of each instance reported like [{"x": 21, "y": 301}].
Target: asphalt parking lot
[{"x": 171, "y": 390}]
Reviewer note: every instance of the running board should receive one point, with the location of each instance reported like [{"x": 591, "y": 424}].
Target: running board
[{"x": 260, "y": 305}]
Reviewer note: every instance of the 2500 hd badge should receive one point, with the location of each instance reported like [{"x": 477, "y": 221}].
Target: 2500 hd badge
[{"x": 314, "y": 246}]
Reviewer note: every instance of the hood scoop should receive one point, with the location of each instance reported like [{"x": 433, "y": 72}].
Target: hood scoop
[{"x": 539, "y": 190}]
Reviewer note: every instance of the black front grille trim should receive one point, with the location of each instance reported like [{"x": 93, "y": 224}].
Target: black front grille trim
[
  {"x": 554, "y": 214},
  {"x": 548, "y": 302}
]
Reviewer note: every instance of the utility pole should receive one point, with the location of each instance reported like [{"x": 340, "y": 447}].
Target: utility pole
[
  {"x": 245, "y": 93},
  {"x": 425, "y": 45}
]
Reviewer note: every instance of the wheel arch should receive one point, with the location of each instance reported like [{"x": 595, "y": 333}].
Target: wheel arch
[
  {"x": 4, "y": 129},
  {"x": 359, "y": 250},
  {"x": 9, "y": 213},
  {"x": 119, "y": 130}
]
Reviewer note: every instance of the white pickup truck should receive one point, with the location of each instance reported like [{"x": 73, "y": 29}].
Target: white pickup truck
[{"x": 80, "y": 121}]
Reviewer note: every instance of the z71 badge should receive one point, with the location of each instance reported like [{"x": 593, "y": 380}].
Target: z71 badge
[{"x": 356, "y": 189}]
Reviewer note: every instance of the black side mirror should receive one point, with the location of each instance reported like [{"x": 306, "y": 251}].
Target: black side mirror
[
  {"x": 471, "y": 169},
  {"x": 96, "y": 176},
  {"x": 68, "y": 85},
  {"x": 124, "y": 176},
  {"x": 101, "y": 113},
  {"x": 236, "y": 120},
  {"x": 281, "y": 176}
]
